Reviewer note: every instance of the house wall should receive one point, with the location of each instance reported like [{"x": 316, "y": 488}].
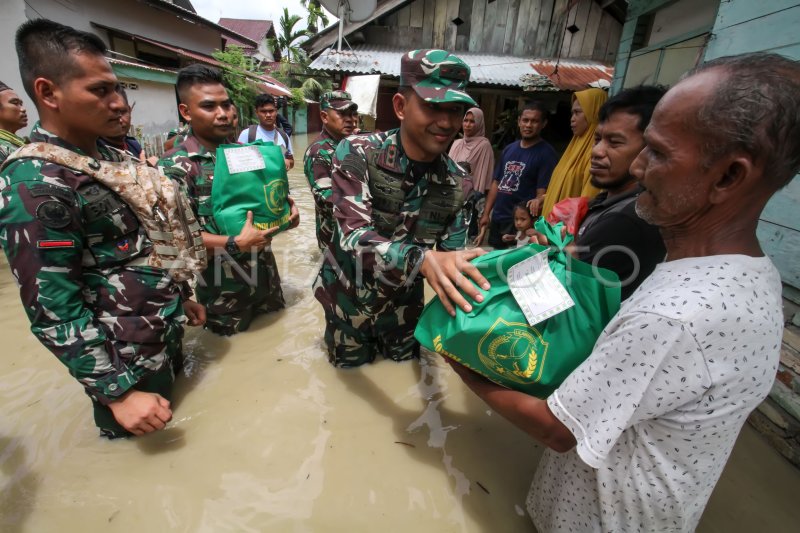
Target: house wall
[
  {"x": 13, "y": 14},
  {"x": 130, "y": 16},
  {"x": 156, "y": 110},
  {"x": 514, "y": 27},
  {"x": 767, "y": 26}
]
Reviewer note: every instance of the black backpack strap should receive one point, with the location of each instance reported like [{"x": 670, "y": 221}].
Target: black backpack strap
[{"x": 251, "y": 133}]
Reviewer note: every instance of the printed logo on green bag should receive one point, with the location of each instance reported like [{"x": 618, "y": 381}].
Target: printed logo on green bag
[
  {"x": 275, "y": 197},
  {"x": 514, "y": 351}
]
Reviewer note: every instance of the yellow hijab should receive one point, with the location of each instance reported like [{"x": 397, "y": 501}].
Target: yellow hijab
[{"x": 571, "y": 176}]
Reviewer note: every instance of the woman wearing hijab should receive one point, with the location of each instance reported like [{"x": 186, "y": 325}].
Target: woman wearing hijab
[
  {"x": 476, "y": 151},
  {"x": 571, "y": 175}
]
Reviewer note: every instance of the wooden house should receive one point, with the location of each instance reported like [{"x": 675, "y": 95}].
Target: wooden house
[{"x": 517, "y": 49}]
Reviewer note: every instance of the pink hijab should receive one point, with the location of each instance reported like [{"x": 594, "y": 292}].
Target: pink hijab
[{"x": 477, "y": 151}]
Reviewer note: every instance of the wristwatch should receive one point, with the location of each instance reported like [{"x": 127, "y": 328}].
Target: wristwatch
[
  {"x": 230, "y": 246},
  {"x": 414, "y": 258}
]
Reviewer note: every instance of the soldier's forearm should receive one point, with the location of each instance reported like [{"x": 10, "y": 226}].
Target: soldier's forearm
[{"x": 81, "y": 345}]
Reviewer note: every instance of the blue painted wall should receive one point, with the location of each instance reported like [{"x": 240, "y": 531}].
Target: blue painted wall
[
  {"x": 769, "y": 26},
  {"x": 747, "y": 26}
]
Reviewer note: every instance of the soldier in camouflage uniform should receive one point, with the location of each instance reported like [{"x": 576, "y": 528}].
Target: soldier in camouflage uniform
[
  {"x": 12, "y": 118},
  {"x": 396, "y": 197},
  {"x": 242, "y": 278},
  {"x": 339, "y": 116},
  {"x": 78, "y": 253}
]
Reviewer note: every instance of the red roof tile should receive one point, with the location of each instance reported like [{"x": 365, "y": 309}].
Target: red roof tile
[{"x": 255, "y": 30}]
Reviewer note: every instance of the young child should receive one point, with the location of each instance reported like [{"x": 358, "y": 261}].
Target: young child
[{"x": 523, "y": 221}]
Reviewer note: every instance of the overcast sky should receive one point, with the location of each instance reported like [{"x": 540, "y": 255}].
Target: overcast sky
[{"x": 213, "y": 10}]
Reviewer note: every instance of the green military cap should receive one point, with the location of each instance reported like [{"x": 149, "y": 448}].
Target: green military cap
[
  {"x": 437, "y": 76},
  {"x": 336, "y": 100}
]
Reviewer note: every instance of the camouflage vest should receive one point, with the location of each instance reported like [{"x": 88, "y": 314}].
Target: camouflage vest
[
  {"x": 440, "y": 205},
  {"x": 158, "y": 202}
]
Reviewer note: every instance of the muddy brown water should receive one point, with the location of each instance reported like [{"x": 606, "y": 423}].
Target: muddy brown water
[{"x": 267, "y": 436}]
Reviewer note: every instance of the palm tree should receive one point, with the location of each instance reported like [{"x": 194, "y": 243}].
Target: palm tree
[
  {"x": 288, "y": 37},
  {"x": 315, "y": 15}
]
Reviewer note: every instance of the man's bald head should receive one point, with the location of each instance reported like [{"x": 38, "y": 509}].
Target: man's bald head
[{"x": 754, "y": 107}]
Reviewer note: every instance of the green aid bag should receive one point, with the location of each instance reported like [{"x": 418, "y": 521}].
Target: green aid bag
[
  {"x": 496, "y": 340},
  {"x": 250, "y": 177}
]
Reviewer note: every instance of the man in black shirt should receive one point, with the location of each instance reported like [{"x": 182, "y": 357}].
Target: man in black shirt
[{"x": 612, "y": 235}]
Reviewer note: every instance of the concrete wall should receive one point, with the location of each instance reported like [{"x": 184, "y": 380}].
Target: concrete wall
[
  {"x": 13, "y": 14},
  {"x": 156, "y": 110},
  {"x": 127, "y": 15}
]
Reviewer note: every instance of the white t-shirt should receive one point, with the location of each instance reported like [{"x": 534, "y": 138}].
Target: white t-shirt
[
  {"x": 271, "y": 136},
  {"x": 657, "y": 407}
]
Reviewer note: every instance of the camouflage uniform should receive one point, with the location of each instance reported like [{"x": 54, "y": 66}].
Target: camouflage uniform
[
  {"x": 371, "y": 303},
  {"x": 234, "y": 288},
  {"x": 79, "y": 256},
  {"x": 317, "y": 165},
  {"x": 388, "y": 211},
  {"x": 8, "y": 144}
]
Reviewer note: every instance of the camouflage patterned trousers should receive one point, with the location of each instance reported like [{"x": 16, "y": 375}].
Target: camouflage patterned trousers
[
  {"x": 379, "y": 319},
  {"x": 237, "y": 289},
  {"x": 159, "y": 381}
]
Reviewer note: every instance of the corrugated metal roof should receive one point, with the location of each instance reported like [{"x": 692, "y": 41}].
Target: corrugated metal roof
[
  {"x": 369, "y": 59},
  {"x": 570, "y": 74}
]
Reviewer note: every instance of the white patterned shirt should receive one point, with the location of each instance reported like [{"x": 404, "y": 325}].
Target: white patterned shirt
[{"x": 657, "y": 407}]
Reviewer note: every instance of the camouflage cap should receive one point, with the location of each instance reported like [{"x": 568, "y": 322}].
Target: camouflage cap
[
  {"x": 336, "y": 100},
  {"x": 436, "y": 76}
]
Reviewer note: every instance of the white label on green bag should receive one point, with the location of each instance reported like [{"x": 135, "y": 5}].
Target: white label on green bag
[
  {"x": 537, "y": 291},
  {"x": 244, "y": 159}
]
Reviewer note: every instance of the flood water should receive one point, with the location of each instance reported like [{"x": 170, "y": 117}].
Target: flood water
[{"x": 268, "y": 436}]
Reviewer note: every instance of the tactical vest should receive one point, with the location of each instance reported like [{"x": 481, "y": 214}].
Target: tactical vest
[
  {"x": 158, "y": 203},
  {"x": 439, "y": 207}
]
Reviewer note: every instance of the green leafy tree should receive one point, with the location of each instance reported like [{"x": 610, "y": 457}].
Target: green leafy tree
[
  {"x": 315, "y": 15},
  {"x": 239, "y": 80},
  {"x": 288, "y": 39}
]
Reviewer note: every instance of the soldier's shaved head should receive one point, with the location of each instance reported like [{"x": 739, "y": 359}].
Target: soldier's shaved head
[
  {"x": 46, "y": 49},
  {"x": 196, "y": 75}
]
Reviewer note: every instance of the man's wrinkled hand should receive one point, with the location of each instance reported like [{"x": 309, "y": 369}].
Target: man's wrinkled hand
[
  {"x": 195, "y": 312},
  {"x": 141, "y": 412},
  {"x": 535, "y": 206},
  {"x": 447, "y": 272}
]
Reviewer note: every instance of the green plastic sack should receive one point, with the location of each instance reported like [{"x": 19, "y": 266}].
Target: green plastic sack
[
  {"x": 495, "y": 339},
  {"x": 240, "y": 186}
]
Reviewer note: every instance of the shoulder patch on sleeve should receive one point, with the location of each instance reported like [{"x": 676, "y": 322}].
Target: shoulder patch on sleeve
[
  {"x": 46, "y": 189},
  {"x": 53, "y": 214},
  {"x": 354, "y": 164}
]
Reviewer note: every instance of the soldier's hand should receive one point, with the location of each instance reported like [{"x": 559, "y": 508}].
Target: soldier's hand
[
  {"x": 250, "y": 237},
  {"x": 484, "y": 221},
  {"x": 195, "y": 312},
  {"x": 294, "y": 213},
  {"x": 141, "y": 412},
  {"x": 446, "y": 272}
]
